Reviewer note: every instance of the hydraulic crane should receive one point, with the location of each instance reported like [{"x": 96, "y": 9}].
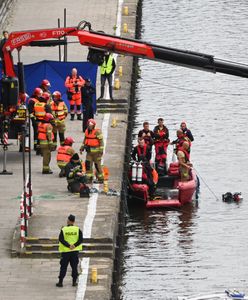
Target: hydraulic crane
[{"x": 97, "y": 42}]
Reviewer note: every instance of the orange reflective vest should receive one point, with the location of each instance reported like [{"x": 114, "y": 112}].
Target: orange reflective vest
[
  {"x": 39, "y": 110},
  {"x": 70, "y": 81},
  {"x": 43, "y": 129},
  {"x": 59, "y": 110},
  {"x": 63, "y": 154},
  {"x": 32, "y": 100},
  {"x": 31, "y": 103},
  {"x": 91, "y": 139}
]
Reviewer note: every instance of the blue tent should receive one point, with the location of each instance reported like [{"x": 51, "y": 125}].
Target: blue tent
[{"x": 56, "y": 72}]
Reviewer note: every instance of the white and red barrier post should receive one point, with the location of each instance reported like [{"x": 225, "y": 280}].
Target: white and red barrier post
[
  {"x": 5, "y": 142},
  {"x": 26, "y": 210}
]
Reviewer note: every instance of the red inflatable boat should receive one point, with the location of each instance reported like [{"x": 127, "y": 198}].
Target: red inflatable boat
[{"x": 170, "y": 191}]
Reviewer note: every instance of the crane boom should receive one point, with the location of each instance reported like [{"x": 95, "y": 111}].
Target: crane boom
[{"x": 138, "y": 48}]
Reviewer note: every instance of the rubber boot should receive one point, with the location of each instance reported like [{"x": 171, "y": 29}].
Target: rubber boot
[
  {"x": 79, "y": 117},
  {"x": 72, "y": 117}
]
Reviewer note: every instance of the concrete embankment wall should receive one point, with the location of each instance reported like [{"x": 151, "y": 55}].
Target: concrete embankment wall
[
  {"x": 101, "y": 217},
  {"x": 134, "y": 23}
]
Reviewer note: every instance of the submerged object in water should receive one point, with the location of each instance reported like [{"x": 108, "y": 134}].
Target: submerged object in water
[{"x": 229, "y": 197}]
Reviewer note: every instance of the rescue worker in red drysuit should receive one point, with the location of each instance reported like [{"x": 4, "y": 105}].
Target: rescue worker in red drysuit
[
  {"x": 186, "y": 131},
  {"x": 142, "y": 151},
  {"x": 181, "y": 138},
  {"x": 142, "y": 154},
  {"x": 64, "y": 154},
  {"x": 184, "y": 163},
  {"x": 161, "y": 142},
  {"x": 147, "y": 135},
  {"x": 73, "y": 83}
]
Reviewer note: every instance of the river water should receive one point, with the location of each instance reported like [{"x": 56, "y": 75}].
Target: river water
[{"x": 203, "y": 247}]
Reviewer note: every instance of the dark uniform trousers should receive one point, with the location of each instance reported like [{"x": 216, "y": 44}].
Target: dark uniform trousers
[{"x": 66, "y": 258}]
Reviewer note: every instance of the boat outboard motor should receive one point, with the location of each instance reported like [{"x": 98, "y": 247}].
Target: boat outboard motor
[
  {"x": 134, "y": 171},
  {"x": 139, "y": 172}
]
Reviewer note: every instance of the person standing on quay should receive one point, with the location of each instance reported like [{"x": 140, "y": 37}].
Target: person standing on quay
[
  {"x": 107, "y": 69},
  {"x": 93, "y": 144},
  {"x": 45, "y": 137},
  {"x": 59, "y": 111},
  {"x": 70, "y": 243},
  {"x": 73, "y": 83},
  {"x": 88, "y": 92}
]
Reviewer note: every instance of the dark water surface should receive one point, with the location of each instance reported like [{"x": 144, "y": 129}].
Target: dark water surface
[{"x": 203, "y": 248}]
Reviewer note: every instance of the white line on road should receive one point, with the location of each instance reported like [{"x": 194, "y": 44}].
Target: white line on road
[{"x": 88, "y": 222}]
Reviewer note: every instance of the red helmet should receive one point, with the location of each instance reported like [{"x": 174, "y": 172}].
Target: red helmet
[
  {"x": 56, "y": 95},
  {"x": 48, "y": 117},
  {"x": 46, "y": 82},
  {"x": 92, "y": 121},
  {"x": 46, "y": 96},
  {"x": 69, "y": 141},
  {"x": 38, "y": 92}
]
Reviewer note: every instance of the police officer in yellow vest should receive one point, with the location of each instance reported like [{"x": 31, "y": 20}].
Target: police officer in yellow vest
[
  {"x": 70, "y": 243},
  {"x": 107, "y": 69}
]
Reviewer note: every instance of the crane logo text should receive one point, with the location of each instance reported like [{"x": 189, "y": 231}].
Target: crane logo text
[
  {"x": 21, "y": 38},
  {"x": 58, "y": 32}
]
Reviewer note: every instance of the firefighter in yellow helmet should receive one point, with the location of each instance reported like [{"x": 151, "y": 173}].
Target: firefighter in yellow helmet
[{"x": 93, "y": 145}]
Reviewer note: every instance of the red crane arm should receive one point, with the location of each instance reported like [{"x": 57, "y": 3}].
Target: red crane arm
[
  {"x": 121, "y": 45},
  {"x": 87, "y": 38}
]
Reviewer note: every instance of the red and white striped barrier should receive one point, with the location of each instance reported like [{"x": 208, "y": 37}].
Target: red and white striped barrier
[
  {"x": 29, "y": 196},
  {"x": 5, "y": 138},
  {"x": 24, "y": 221},
  {"x": 26, "y": 211}
]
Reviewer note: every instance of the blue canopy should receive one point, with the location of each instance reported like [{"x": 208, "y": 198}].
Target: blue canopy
[{"x": 56, "y": 72}]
